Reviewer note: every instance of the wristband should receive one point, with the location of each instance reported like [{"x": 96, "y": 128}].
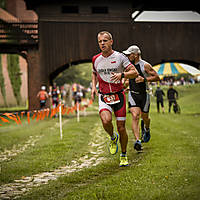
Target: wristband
[{"x": 122, "y": 75}]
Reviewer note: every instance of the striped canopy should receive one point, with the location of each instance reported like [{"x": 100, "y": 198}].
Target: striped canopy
[{"x": 173, "y": 69}]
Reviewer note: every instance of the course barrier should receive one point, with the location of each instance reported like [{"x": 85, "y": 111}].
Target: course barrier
[{"x": 42, "y": 114}]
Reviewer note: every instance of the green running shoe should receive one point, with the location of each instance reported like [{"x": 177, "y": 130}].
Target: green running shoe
[
  {"x": 113, "y": 146},
  {"x": 123, "y": 161}
]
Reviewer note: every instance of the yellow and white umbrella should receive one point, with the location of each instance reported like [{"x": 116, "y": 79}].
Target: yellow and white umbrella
[{"x": 173, "y": 69}]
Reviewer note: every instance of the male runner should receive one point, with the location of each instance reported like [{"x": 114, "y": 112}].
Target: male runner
[
  {"x": 42, "y": 94},
  {"x": 109, "y": 67},
  {"x": 139, "y": 99}
]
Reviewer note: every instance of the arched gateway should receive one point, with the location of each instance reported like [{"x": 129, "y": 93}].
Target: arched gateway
[{"x": 68, "y": 34}]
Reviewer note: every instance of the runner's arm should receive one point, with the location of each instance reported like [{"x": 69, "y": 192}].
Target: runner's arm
[
  {"x": 153, "y": 76},
  {"x": 94, "y": 83},
  {"x": 130, "y": 72},
  {"x": 125, "y": 82},
  {"x": 38, "y": 94}
]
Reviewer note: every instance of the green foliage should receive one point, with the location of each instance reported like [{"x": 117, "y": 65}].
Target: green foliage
[
  {"x": 2, "y": 85},
  {"x": 3, "y": 4},
  {"x": 15, "y": 75},
  {"x": 76, "y": 74}
]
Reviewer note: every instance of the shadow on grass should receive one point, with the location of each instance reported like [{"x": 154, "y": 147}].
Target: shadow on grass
[{"x": 192, "y": 114}]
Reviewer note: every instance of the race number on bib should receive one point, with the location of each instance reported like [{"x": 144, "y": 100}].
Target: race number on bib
[{"x": 111, "y": 99}]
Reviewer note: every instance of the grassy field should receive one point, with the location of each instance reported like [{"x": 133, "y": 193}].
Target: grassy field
[{"x": 167, "y": 169}]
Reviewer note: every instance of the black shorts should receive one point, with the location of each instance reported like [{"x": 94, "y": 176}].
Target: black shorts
[
  {"x": 42, "y": 103},
  {"x": 139, "y": 100}
]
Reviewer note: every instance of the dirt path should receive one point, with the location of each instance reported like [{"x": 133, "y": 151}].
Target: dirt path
[
  {"x": 7, "y": 155},
  {"x": 22, "y": 186}
]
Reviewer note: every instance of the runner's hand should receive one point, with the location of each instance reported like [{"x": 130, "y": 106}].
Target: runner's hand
[
  {"x": 93, "y": 93},
  {"x": 115, "y": 77},
  {"x": 126, "y": 90},
  {"x": 139, "y": 79}
]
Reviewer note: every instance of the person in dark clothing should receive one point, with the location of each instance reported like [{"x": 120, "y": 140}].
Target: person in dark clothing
[
  {"x": 159, "y": 99},
  {"x": 172, "y": 95},
  {"x": 138, "y": 97}
]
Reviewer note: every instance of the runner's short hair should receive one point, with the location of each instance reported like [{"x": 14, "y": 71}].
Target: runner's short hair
[{"x": 105, "y": 32}]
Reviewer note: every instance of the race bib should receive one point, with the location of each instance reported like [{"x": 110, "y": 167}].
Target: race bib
[{"x": 111, "y": 99}]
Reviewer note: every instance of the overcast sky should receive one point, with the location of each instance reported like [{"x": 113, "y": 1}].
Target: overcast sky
[{"x": 168, "y": 16}]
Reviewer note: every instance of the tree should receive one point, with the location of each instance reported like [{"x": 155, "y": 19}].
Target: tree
[{"x": 76, "y": 73}]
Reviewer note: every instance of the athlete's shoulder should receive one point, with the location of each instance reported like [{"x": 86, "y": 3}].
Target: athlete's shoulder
[
  {"x": 145, "y": 62},
  {"x": 120, "y": 54},
  {"x": 123, "y": 58},
  {"x": 95, "y": 57}
]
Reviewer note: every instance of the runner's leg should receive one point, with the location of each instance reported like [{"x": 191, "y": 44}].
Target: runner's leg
[
  {"x": 123, "y": 135},
  {"x": 105, "y": 113},
  {"x": 106, "y": 118},
  {"x": 135, "y": 111},
  {"x": 146, "y": 119}
]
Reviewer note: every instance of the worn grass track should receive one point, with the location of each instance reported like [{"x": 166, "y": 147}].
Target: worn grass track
[{"x": 168, "y": 168}]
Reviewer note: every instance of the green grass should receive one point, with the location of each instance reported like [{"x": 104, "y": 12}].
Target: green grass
[
  {"x": 13, "y": 108},
  {"x": 168, "y": 168},
  {"x": 49, "y": 153}
]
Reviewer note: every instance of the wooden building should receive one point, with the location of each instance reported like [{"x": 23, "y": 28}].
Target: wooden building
[{"x": 68, "y": 35}]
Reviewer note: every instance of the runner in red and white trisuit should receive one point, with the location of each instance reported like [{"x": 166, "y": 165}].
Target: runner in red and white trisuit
[
  {"x": 109, "y": 67},
  {"x": 105, "y": 66}
]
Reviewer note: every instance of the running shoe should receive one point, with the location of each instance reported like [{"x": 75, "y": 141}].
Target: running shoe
[
  {"x": 138, "y": 145},
  {"x": 113, "y": 146},
  {"x": 147, "y": 135},
  {"x": 142, "y": 130},
  {"x": 123, "y": 160}
]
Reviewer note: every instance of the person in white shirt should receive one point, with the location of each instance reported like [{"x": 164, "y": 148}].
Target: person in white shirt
[{"x": 109, "y": 67}]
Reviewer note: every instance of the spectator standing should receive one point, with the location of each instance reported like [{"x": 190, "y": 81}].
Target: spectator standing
[
  {"x": 172, "y": 95},
  {"x": 159, "y": 99}
]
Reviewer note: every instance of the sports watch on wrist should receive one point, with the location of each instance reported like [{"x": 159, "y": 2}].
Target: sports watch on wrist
[{"x": 122, "y": 75}]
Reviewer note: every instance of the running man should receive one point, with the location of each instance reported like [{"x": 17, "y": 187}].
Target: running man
[
  {"x": 139, "y": 98},
  {"x": 43, "y": 96},
  {"x": 54, "y": 93},
  {"x": 109, "y": 67}
]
